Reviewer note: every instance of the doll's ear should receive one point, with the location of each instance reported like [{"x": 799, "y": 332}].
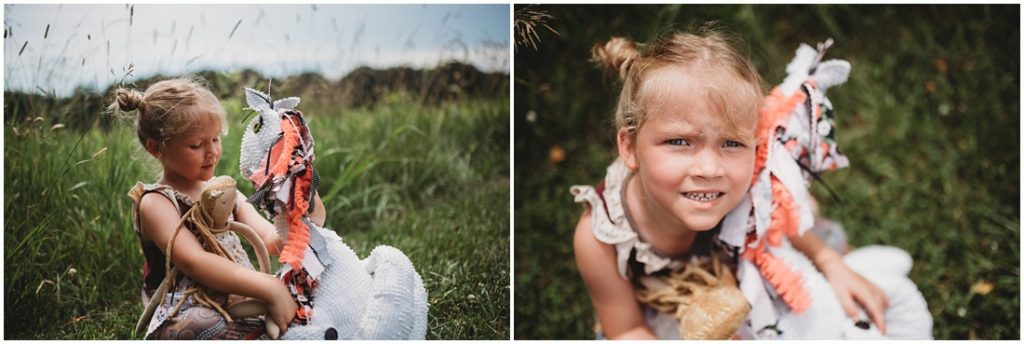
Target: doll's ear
[
  {"x": 627, "y": 149},
  {"x": 831, "y": 73},
  {"x": 153, "y": 148},
  {"x": 256, "y": 99},
  {"x": 287, "y": 103}
]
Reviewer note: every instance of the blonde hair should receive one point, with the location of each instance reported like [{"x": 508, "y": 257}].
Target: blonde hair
[
  {"x": 707, "y": 51},
  {"x": 171, "y": 108}
]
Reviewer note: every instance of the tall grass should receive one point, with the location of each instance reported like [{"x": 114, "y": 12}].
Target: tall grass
[
  {"x": 429, "y": 180},
  {"x": 64, "y": 211},
  {"x": 929, "y": 119}
]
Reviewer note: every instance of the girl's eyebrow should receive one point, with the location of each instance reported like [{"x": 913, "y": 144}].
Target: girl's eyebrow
[
  {"x": 194, "y": 138},
  {"x": 679, "y": 127}
]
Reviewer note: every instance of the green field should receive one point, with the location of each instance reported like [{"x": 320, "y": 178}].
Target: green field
[
  {"x": 430, "y": 179},
  {"x": 929, "y": 118}
]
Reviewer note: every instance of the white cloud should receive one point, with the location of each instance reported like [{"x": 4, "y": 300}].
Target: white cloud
[{"x": 276, "y": 40}]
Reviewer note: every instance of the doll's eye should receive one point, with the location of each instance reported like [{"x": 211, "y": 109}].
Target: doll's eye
[{"x": 259, "y": 125}]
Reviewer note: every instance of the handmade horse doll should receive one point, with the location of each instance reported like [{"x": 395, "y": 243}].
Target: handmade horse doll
[
  {"x": 796, "y": 142},
  {"x": 339, "y": 295}
]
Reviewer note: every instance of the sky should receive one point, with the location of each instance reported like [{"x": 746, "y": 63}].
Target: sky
[{"x": 97, "y": 45}]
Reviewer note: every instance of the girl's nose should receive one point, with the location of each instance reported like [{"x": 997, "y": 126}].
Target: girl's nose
[{"x": 707, "y": 164}]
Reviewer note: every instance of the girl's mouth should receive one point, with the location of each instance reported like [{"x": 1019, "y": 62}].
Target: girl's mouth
[{"x": 703, "y": 196}]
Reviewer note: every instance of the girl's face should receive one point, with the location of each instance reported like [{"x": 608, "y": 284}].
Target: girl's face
[
  {"x": 193, "y": 156},
  {"x": 691, "y": 165}
]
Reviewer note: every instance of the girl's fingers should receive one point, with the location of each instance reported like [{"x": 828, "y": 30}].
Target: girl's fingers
[
  {"x": 877, "y": 316},
  {"x": 885, "y": 305},
  {"x": 282, "y": 324},
  {"x": 846, "y": 299},
  {"x": 875, "y": 308}
]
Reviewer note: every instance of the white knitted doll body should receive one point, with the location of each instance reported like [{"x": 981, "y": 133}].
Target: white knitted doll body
[{"x": 380, "y": 297}]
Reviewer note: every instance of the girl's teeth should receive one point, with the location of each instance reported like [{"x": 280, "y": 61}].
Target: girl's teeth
[{"x": 702, "y": 196}]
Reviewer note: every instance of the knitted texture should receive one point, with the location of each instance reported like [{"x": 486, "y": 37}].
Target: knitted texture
[
  {"x": 906, "y": 317},
  {"x": 380, "y": 297}
]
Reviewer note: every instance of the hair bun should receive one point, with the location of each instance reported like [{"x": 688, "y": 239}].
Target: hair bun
[
  {"x": 129, "y": 100},
  {"x": 616, "y": 55}
]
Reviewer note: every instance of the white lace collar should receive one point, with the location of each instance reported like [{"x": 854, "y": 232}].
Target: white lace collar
[{"x": 613, "y": 228}]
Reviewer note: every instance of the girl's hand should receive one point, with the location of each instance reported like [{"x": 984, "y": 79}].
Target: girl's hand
[
  {"x": 282, "y": 307},
  {"x": 853, "y": 289}
]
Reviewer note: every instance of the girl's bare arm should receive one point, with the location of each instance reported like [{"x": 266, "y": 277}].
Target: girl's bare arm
[
  {"x": 319, "y": 214},
  {"x": 158, "y": 216},
  {"x": 248, "y": 215},
  {"x": 617, "y": 309}
]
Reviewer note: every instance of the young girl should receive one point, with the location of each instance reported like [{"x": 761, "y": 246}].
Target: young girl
[
  {"x": 180, "y": 123},
  {"x": 686, "y": 120}
]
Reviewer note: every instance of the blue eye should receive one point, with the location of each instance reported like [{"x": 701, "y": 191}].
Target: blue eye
[
  {"x": 678, "y": 142},
  {"x": 733, "y": 144}
]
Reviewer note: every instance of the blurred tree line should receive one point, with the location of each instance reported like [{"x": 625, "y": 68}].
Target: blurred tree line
[{"x": 364, "y": 87}]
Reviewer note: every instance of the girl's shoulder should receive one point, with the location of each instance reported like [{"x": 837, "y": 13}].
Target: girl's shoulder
[
  {"x": 140, "y": 191},
  {"x": 606, "y": 192},
  {"x": 608, "y": 218},
  {"x": 609, "y": 225}
]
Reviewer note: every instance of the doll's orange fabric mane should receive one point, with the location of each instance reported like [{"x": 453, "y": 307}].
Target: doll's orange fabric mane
[
  {"x": 785, "y": 216},
  {"x": 281, "y": 159}
]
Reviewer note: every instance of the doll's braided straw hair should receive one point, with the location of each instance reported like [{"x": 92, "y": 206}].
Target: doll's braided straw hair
[{"x": 707, "y": 305}]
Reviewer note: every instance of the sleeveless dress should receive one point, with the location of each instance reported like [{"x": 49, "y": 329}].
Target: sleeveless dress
[
  {"x": 907, "y": 316},
  {"x": 192, "y": 321}
]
